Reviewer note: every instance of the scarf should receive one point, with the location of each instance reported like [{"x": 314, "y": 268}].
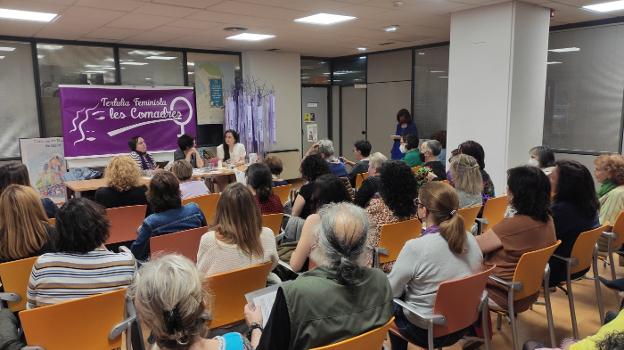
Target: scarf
[
  {"x": 147, "y": 163},
  {"x": 605, "y": 188}
]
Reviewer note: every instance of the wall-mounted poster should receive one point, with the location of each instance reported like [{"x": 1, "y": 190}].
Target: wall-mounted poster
[
  {"x": 212, "y": 80},
  {"x": 46, "y": 165},
  {"x": 312, "y": 132},
  {"x": 309, "y": 117}
]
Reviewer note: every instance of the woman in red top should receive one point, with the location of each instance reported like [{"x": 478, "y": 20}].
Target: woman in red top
[{"x": 260, "y": 182}]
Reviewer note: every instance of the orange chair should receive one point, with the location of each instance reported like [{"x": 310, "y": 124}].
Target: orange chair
[
  {"x": 185, "y": 243},
  {"x": 532, "y": 271},
  {"x": 457, "y": 306},
  {"x": 493, "y": 212},
  {"x": 124, "y": 223},
  {"x": 283, "y": 192},
  {"x": 371, "y": 340},
  {"x": 52, "y": 221},
  {"x": 274, "y": 222},
  {"x": 229, "y": 289},
  {"x": 392, "y": 238},
  {"x": 584, "y": 255},
  {"x": 14, "y": 276},
  {"x": 469, "y": 215},
  {"x": 615, "y": 239},
  {"x": 207, "y": 203},
  {"x": 96, "y": 322},
  {"x": 359, "y": 180}
]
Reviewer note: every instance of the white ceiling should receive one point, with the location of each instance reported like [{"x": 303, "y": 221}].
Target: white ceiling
[{"x": 199, "y": 23}]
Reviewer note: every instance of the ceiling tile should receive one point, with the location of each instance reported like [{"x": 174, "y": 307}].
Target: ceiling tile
[
  {"x": 197, "y": 4},
  {"x": 28, "y": 5},
  {"x": 190, "y": 24},
  {"x": 110, "y": 33},
  {"x": 140, "y": 21},
  {"x": 165, "y": 10},
  {"x": 263, "y": 11},
  {"x": 121, "y": 5},
  {"x": 20, "y": 28},
  {"x": 76, "y": 20}
]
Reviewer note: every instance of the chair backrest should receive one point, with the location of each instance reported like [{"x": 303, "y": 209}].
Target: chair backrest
[
  {"x": 229, "y": 288},
  {"x": 458, "y": 301},
  {"x": 469, "y": 214},
  {"x": 52, "y": 221},
  {"x": 207, "y": 203},
  {"x": 273, "y": 221},
  {"x": 282, "y": 192},
  {"x": 618, "y": 229},
  {"x": 359, "y": 179},
  {"x": 494, "y": 210},
  {"x": 530, "y": 270},
  {"x": 184, "y": 243},
  {"x": 371, "y": 340},
  {"x": 583, "y": 249},
  {"x": 393, "y": 237},
  {"x": 14, "y": 276},
  {"x": 76, "y": 325},
  {"x": 124, "y": 222}
]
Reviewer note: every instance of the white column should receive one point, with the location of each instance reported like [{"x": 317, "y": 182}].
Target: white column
[{"x": 497, "y": 81}]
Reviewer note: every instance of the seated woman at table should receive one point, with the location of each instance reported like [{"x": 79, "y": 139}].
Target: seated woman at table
[
  {"x": 169, "y": 215},
  {"x": 231, "y": 150},
  {"x": 183, "y": 170},
  {"x": 188, "y": 151},
  {"x": 17, "y": 174},
  {"x": 123, "y": 177},
  {"x": 139, "y": 154}
]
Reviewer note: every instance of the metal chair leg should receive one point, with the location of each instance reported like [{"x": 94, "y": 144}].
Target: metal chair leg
[
  {"x": 499, "y": 321},
  {"x": 549, "y": 315},
  {"x": 512, "y": 318},
  {"x": 597, "y": 285},
  {"x": 611, "y": 260},
  {"x": 485, "y": 313},
  {"x": 430, "y": 335},
  {"x": 572, "y": 310}
]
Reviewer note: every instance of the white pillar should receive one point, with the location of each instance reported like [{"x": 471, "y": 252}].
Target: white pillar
[{"x": 497, "y": 81}]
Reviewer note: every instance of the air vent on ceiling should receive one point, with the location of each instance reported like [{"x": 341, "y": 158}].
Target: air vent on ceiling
[
  {"x": 235, "y": 29},
  {"x": 386, "y": 43},
  {"x": 272, "y": 50}
]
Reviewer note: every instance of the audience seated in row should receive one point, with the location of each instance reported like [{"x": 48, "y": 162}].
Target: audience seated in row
[
  {"x": 17, "y": 174},
  {"x": 370, "y": 186},
  {"x": 430, "y": 151},
  {"x": 237, "y": 238},
  {"x": 542, "y": 157},
  {"x": 277, "y": 167},
  {"x": 123, "y": 178},
  {"x": 169, "y": 215},
  {"x": 475, "y": 150},
  {"x": 467, "y": 180},
  {"x": 189, "y": 187},
  {"x": 260, "y": 182},
  {"x": 312, "y": 167},
  {"x": 361, "y": 150},
  {"x": 409, "y": 146},
  {"x": 440, "y": 136},
  {"x": 610, "y": 174},
  {"x": 325, "y": 148}
]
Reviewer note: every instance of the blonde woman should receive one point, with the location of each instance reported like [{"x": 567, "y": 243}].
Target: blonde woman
[
  {"x": 170, "y": 300},
  {"x": 238, "y": 239},
  {"x": 124, "y": 184},
  {"x": 24, "y": 228},
  {"x": 610, "y": 175},
  {"x": 467, "y": 180},
  {"x": 183, "y": 170}
]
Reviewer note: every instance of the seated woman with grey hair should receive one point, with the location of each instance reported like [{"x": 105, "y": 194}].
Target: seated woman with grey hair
[
  {"x": 334, "y": 301},
  {"x": 370, "y": 186},
  {"x": 172, "y": 303},
  {"x": 189, "y": 187},
  {"x": 325, "y": 148}
]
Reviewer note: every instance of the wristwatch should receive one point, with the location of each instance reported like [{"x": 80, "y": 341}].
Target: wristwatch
[{"x": 255, "y": 325}]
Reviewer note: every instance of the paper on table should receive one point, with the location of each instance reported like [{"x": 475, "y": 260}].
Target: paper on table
[{"x": 263, "y": 298}]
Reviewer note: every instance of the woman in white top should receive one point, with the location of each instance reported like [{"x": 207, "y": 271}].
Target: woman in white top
[
  {"x": 238, "y": 239},
  {"x": 231, "y": 150},
  {"x": 444, "y": 252},
  {"x": 183, "y": 170}
]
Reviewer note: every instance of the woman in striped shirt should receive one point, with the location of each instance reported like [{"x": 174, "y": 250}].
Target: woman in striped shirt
[{"x": 82, "y": 266}]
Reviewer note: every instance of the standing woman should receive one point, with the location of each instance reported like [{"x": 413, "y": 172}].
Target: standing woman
[
  {"x": 231, "y": 150},
  {"x": 139, "y": 154},
  {"x": 405, "y": 125}
]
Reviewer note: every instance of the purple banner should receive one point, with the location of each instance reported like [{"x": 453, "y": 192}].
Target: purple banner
[{"x": 99, "y": 121}]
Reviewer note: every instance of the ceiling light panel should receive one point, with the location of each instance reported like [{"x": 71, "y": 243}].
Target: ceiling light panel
[
  {"x": 324, "y": 19},
  {"x": 606, "y": 6},
  {"x": 27, "y": 15},
  {"x": 250, "y": 37}
]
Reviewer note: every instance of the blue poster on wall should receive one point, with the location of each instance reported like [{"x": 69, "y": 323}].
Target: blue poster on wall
[{"x": 216, "y": 93}]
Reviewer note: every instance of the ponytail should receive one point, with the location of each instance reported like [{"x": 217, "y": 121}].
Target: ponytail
[
  {"x": 442, "y": 202},
  {"x": 454, "y": 231}
]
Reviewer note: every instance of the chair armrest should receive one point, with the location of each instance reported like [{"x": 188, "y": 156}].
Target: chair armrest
[
  {"x": 10, "y": 297},
  {"x": 287, "y": 215},
  {"x": 435, "y": 319},
  {"x": 571, "y": 261},
  {"x": 279, "y": 237},
  {"x": 287, "y": 266},
  {"x": 382, "y": 251},
  {"x": 507, "y": 284},
  {"x": 609, "y": 235},
  {"x": 482, "y": 221},
  {"x": 124, "y": 249},
  {"x": 32, "y": 347},
  {"x": 119, "y": 328}
]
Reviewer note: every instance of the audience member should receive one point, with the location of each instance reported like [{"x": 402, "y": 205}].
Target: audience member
[
  {"x": 82, "y": 266},
  {"x": 475, "y": 150},
  {"x": 276, "y": 166},
  {"x": 610, "y": 174},
  {"x": 398, "y": 190},
  {"x": 444, "y": 252},
  {"x": 362, "y": 150},
  {"x": 440, "y": 136},
  {"x": 188, "y": 151},
  {"x": 169, "y": 214},
  {"x": 409, "y": 146},
  {"x": 430, "y": 151},
  {"x": 237, "y": 239},
  {"x": 231, "y": 150},
  {"x": 311, "y": 168},
  {"x": 531, "y": 228},
  {"x": 24, "y": 228},
  {"x": 170, "y": 300},
  {"x": 328, "y": 189},
  {"x": 370, "y": 186},
  {"x": 334, "y": 301},
  {"x": 574, "y": 210},
  {"x": 260, "y": 183},
  {"x": 189, "y": 187},
  {"x": 123, "y": 178},
  {"x": 139, "y": 154},
  {"x": 405, "y": 125},
  {"x": 467, "y": 180},
  {"x": 17, "y": 174},
  {"x": 542, "y": 157},
  {"x": 326, "y": 149}
]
